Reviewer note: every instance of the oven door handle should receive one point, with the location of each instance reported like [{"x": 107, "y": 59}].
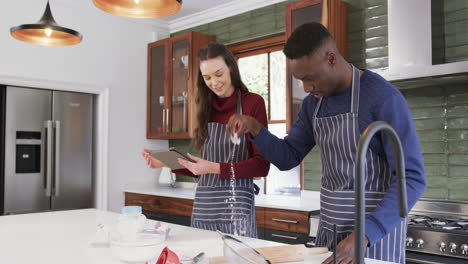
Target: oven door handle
[{"x": 420, "y": 261}]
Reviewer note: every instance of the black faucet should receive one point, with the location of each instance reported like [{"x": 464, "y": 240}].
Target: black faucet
[{"x": 359, "y": 183}]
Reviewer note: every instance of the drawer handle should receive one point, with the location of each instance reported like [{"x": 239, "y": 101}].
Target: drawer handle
[
  {"x": 281, "y": 236},
  {"x": 157, "y": 202},
  {"x": 285, "y": 221},
  {"x": 310, "y": 244}
]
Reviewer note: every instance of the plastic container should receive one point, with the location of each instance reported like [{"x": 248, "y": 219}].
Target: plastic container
[
  {"x": 130, "y": 222},
  {"x": 145, "y": 247}
]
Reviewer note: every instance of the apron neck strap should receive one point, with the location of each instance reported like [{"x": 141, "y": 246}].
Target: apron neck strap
[
  {"x": 354, "y": 93},
  {"x": 355, "y": 90},
  {"x": 239, "y": 102}
]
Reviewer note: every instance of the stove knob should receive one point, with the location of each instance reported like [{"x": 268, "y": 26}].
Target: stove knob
[
  {"x": 420, "y": 243},
  {"x": 442, "y": 246},
  {"x": 409, "y": 241},
  {"x": 453, "y": 247},
  {"x": 464, "y": 248}
]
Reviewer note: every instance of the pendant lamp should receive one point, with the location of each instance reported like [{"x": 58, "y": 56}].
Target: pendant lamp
[
  {"x": 46, "y": 32},
  {"x": 139, "y": 8}
]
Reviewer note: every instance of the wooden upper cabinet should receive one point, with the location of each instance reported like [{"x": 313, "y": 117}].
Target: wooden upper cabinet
[
  {"x": 172, "y": 78},
  {"x": 331, "y": 13}
]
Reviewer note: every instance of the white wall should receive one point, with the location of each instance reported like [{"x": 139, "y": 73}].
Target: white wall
[{"x": 111, "y": 59}]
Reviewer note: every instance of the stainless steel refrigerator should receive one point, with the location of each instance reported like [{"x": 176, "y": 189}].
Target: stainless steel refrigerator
[{"x": 48, "y": 138}]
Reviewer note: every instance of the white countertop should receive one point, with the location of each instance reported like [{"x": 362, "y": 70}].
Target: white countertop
[
  {"x": 62, "y": 238},
  {"x": 308, "y": 201}
]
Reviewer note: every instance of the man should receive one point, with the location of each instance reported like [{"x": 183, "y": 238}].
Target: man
[{"x": 343, "y": 101}]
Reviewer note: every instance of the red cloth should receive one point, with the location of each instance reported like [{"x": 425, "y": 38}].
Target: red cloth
[
  {"x": 223, "y": 108},
  {"x": 168, "y": 257}
]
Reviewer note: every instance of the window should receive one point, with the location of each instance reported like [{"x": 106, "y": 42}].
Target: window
[
  {"x": 265, "y": 74},
  {"x": 262, "y": 66}
]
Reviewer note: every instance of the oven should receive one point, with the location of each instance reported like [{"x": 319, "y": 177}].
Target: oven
[{"x": 437, "y": 232}]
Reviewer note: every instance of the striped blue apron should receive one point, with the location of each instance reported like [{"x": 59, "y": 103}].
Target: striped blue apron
[
  {"x": 224, "y": 205},
  {"x": 338, "y": 137}
]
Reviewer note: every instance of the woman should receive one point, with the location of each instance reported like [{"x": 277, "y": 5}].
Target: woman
[{"x": 224, "y": 199}]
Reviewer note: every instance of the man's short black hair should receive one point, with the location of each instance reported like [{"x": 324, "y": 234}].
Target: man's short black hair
[{"x": 305, "y": 39}]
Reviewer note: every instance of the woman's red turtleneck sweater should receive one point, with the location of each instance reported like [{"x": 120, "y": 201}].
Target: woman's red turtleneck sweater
[{"x": 222, "y": 109}]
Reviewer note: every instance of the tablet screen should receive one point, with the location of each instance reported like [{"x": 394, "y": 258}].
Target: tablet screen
[{"x": 169, "y": 158}]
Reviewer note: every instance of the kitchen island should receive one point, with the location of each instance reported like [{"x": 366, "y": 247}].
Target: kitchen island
[{"x": 63, "y": 238}]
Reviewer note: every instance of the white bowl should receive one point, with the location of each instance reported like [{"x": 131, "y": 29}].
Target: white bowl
[{"x": 143, "y": 248}]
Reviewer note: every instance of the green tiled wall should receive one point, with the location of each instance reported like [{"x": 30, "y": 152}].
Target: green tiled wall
[
  {"x": 441, "y": 118},
  {"x": 449, "y": 31},
  {"x": 368, "y": 34},
  {"x": 440, "y": 111},
  {"x": 250, "y": 25}
]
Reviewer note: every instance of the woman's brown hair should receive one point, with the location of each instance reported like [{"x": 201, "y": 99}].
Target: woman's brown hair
[{"x": 205, "y": 95}]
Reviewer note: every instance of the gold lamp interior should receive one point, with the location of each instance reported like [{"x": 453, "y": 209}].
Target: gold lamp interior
[{"x": 139, "y": 8}]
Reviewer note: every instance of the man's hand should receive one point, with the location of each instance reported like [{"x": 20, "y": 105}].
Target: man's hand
[
  {"x": 200, "y": 166},
  {"x": 241, "y": 124},
  {"x": 345, "y": 251}
]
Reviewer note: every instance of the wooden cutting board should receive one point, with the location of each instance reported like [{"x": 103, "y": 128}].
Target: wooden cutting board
[{"x": 281, "y": 254}]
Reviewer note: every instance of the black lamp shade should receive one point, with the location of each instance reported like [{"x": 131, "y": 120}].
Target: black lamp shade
[{"x": 46, "y": 32}]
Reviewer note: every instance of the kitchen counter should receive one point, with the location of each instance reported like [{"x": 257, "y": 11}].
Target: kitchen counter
[
  {"x": 308, "y": 201},
  {"x": 62, "y": 238}
]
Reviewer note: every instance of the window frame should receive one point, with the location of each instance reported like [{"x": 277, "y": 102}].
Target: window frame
[
  {"x": 268, "y": 44},
  {"x": 259, "y": 46}
]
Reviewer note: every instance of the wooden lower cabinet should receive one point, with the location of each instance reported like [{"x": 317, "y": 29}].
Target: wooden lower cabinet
[
  {"x": 157, "y": 216},
  {"x": 148, "y": 202},
  {"x": 285, "y": 237},
  {"x": 284, "y": 226},
  {"x": 160, "y": 208},
  {"x": 287, "y": 220},
  {"x": 260, "y": 217}
]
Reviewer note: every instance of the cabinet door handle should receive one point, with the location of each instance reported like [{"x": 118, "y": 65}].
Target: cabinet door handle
[
  {"x": 189, "y": 67},
  {"x": 282, "y": 236},
  {"x": 167, "y": 120},
  {"x": 285, "y": 221},
  {"x": 157, "y": 202},
  {"x": 164, "y": 119},
  {"x": 138, "y": 201}
]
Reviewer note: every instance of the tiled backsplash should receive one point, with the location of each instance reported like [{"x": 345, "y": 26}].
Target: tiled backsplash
[
  {"x": 440, "y": 111},
  {"x": 441, "y": 118},
  {"x": 449, "y": 31},
  {"x": 249, "y": 25}
]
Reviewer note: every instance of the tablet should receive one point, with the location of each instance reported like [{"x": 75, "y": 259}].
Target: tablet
[{"x": 169, "y": 157}]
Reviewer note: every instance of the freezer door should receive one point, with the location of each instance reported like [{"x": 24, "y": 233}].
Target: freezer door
[
  {"x": 72, "y": 114},
  {"x": 25, "y": 181}
]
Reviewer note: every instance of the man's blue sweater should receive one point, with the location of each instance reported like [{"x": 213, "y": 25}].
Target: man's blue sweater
[{"x": 378, "y": 100}]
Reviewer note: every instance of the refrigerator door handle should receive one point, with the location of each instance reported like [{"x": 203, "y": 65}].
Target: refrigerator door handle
[
  {"x": 48, "y": 159},
  {"x": 57, "y": 159}
]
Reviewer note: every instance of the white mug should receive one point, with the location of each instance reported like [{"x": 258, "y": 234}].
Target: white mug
[{"x": 184, "y": 60}]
